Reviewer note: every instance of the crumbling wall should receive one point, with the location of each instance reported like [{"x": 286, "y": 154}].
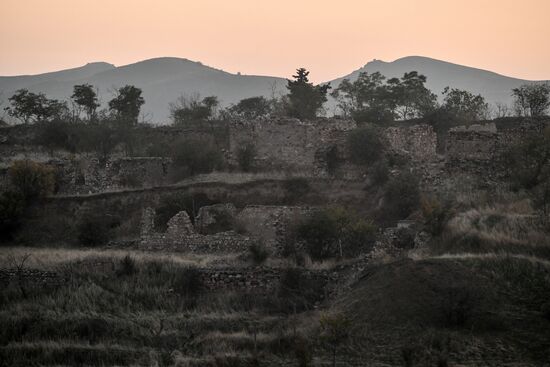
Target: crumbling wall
[
  {"x": 418, "y": 141},
  {"x": 182, "y": 236}
]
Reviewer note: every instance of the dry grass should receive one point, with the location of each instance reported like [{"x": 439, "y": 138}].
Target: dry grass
[{"x": 44, "y": 258}]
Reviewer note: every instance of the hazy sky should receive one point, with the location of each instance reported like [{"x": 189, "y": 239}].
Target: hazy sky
[{"x": 331, "y": 38}]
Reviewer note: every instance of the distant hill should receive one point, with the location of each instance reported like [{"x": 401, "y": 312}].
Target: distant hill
[
  {"x": 494, "y": 87},
  {"x": 163, "y": 80}
]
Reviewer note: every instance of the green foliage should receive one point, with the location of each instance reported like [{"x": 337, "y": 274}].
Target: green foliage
[
  {"x": 336, "y": 233},
  {"x": 251, "y": 108},
  {"x": 33, "y": 180},
  {"x": 380, "y": 172},
  {"x": 94, "y": 230},
  {"x": 258, "y": 253},
  {"x": 401, "y": 197},
  {"x": 371, "y": 99},
  {"x": 12, "y": 207},
  {"x": 127, "y": 104},
  {"x": 365, "y": 145},
  {"x": 85, "y": 97},
  {"x": 32, "y": 107},
  {"x": 245, "y": 156},
  {"x": 188, "y": 110},
  {"x": 411, "y": 97},
  {"x": 56, "y": 134},
  {"x": 463, "y": 105},
  {"x": 532, "y": 99},
  {"x": 196, "y": 156},
  {"x": 304, "y": 98}
]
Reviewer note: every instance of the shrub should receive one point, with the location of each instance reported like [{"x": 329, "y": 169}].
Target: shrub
[
  {"x": 12, "y": 207},
  {"x": 380, "y": 172},
  {"x": 332, "y": 160},
  {"x": 303, "y": 352},
  {"x": 245, "y": 156},
  {"x": 126, "y": 266},
  {"x": 55, "y": 135},
  {"x": 365, "y": 145},
  {"x": 296, "y": 188},
  {"x": 188, "y": 282},
  {"x": 436, "y": 214},
  {"x": 298, "y": 292},
  {"x": 33, "y": 180},
  {"x": 402, "y": 196},
  {"x": 336, "y": 233},
  {"x": 94, "y": 230},
  {"x": 458, "y": 306},
  {"x": 258, "y": 253},
  {"x": 196, "y": 156}
]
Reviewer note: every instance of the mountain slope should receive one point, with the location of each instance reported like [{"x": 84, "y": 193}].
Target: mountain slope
[
  {"x": 162, "y": 80},
  {"x": 494, "y": 87}
]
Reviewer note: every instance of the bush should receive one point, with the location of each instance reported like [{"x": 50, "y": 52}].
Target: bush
[
  {"x": 245, "y": 156},
  {"x": 127, "y": 266},
  {"x": 336, "y": 233},
  {"x": 94, "y": 230},
  {"x": 12, "y": 207},
  {"x": 55, "y": 135},
  {"x": 188, "y": 282},
  {"x": 296, "y": 188},
  {"x": 33, "y": 180},
  {"x": 458, "y": 306},
  {"x": 196, "y": 156},
  {"x": 402, "y": 196},
  {"x": 436, "y": 215},
  {"x": 365, "y": 145},
  {"x": 258, "y": 253},
  {"x": 298, "y": 292},
  {"x": 380, "y": 172}
]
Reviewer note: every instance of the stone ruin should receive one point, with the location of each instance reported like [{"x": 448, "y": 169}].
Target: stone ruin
[{"x": 267, "y": 224}]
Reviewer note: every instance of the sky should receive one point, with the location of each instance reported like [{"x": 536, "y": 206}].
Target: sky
[{"x": 264, "y": 37}]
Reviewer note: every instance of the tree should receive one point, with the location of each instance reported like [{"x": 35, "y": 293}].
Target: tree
[
  {"x": 367, "y": 99},
  {"x": 33, "y": 107},
  {"x": 127, "y": 104},
  {"x": 12, "y": 206},
  {"x": 187, "y": 110},
  {"x": 251, "y": 108},
  {"x": 335, "y": 331},
  {"x": 532, "y": 99},
  {"x": 85, "y": 97},
  {"x": 464, "y": 105},
  {"x": 304, "y": 98},
  {"x": 410, "y": 96},
  {"x": 402, "y": 196}
]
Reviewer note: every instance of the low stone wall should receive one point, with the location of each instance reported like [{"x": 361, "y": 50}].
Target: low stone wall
[
  {"x": 31, "y": 277},
  {"x": 257, "y": 279}
]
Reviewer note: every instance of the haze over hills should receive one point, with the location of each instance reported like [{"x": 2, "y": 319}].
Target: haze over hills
[
  {"x": 163, "y": 80},
  {"x": 494, "y": 87}
]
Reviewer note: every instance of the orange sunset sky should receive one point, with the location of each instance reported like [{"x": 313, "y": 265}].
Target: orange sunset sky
[{"x": 331, "y": 38}]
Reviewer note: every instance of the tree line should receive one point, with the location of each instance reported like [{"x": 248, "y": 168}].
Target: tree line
[{"x": 370, "y": 98}]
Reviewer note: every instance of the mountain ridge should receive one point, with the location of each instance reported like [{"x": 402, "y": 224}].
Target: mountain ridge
[{"x": 164, "y": 79}]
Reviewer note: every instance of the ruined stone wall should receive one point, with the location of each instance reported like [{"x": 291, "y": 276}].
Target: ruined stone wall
[
  {"x": 419, "y": 142},
  {"x": 288, "y": 144}
]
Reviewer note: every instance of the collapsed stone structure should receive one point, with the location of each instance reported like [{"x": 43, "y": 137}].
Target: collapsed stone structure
[{"x": 266, "y": 224}]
